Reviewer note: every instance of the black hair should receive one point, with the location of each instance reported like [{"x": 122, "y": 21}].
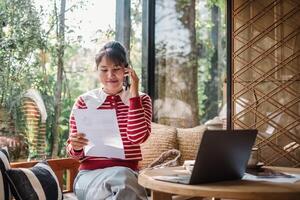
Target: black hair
[{"x": 115, "y": 51}]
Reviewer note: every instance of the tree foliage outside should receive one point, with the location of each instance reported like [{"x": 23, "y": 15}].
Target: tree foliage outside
[
  {"x": 21, "y": 44},
  {"x": 211, "y": 77}
]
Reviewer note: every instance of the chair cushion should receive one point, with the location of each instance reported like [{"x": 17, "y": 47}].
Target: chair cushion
[
  {"x": 161, "y": 139},
  {"x": 38, "y": 182},
  {"x": 4, "y": 165},
  {"x": 188, "y": 140}
]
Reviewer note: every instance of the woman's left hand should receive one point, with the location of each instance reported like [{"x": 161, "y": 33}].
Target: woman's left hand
[{"x": 134, "y": 81}]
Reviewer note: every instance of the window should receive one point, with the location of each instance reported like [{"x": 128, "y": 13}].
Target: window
[{"x": 189, "y": 61}]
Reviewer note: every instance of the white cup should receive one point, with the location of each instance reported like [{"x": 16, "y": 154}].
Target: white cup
[{"x": 253, "y": 160}]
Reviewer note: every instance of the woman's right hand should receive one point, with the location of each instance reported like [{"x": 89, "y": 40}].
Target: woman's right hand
[{"x": 78, "y": 141}]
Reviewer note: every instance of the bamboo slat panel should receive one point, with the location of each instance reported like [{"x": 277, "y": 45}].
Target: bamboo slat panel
[
  {"x": 35, "y": 129},
  {"x": 266, "y": 76}
]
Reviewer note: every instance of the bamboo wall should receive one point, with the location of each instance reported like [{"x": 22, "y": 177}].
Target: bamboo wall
[
  {"x": 266, "y": 76},
  {"x": 35, "y": 129}
]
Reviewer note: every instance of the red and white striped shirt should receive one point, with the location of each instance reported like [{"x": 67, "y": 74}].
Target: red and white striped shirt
[{"x": 134, "y": 120}]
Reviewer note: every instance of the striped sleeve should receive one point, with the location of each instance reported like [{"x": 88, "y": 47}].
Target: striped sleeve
[
  {"x": 79, "y": 104},
  {"x": 139, "y": 119}
]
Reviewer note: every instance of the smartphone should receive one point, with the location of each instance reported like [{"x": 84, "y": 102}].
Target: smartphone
[{"x": 126, "y": 82}]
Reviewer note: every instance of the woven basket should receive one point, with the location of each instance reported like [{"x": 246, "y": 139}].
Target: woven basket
[
  {"x": 162, "y": 138},
  {"x": 188, "y": 140}
]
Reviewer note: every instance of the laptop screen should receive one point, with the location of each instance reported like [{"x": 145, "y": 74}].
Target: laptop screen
[{"x": 222, "y": 155}]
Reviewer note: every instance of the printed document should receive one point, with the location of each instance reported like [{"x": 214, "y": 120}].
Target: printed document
[
  {"x": 289, "y": 178},
  {"x": 102, "y": 130}
]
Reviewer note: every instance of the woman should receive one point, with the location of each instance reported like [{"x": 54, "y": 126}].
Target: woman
[{"x": 107, "y": 178}]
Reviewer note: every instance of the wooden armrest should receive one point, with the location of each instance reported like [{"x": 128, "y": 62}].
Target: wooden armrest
[{"x": 59, "y": 166}]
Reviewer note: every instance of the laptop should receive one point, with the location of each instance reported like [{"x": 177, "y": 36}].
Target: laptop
[{"x": 222, "y": 155}]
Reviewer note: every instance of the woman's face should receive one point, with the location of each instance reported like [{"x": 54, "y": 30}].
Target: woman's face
[{"x": 111, "y": 76}]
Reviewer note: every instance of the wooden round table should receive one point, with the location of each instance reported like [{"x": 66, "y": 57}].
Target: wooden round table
[{"x": 240, "y": 189}]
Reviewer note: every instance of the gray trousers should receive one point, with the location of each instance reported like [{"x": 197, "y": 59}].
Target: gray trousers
[{"x": 113, "y": 183}]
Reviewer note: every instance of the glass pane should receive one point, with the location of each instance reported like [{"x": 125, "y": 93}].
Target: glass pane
[
  {"x": 190, "y": 61},
  {"x": 136, "y": 38}
]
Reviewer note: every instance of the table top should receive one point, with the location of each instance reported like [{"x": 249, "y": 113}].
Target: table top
[{"x": 238, "y": 189}]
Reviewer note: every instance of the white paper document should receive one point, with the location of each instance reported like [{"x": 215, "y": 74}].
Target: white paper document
[
  {"x": 102, "y": 130},
  {"x": 280, "y": 179}
]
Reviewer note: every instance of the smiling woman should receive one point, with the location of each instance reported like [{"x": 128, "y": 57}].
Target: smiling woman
[
  {"x": 111, "y": 76},
  {"x": 107, "y": 176},
  {"x": 111, "y": 62},
  {"x": 114, "y": 69}
]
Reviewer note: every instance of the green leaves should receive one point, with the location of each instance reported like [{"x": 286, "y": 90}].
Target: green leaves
[{"x": 21, "y": 38}]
